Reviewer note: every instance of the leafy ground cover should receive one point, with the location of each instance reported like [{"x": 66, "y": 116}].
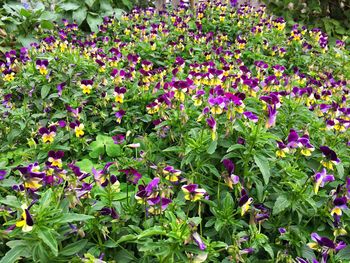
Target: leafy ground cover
[{"x": 218, "y": 136}]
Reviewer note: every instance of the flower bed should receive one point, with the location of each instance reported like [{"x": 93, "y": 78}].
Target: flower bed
[{"x": 215, "y": 137}]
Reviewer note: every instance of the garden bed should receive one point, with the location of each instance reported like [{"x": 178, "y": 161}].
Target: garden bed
[{"x": 218, "y": 136}]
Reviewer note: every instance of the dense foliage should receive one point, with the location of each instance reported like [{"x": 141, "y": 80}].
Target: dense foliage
[
  {"x": 218, "y": 136},
  {"x": 333, "y": 16}
]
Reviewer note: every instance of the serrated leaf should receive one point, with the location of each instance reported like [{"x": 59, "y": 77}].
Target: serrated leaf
[
  {"x": 282, "y": 203},
  {"x": 264, "y": 167},
  {"x": 45, "y": 234},
  {"x": 73, "y": 248}
]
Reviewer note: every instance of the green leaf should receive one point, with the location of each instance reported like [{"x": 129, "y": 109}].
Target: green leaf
[
  {"x": 269, "y": 250},
  {"x": 80, "y": 15},
  {"x": 73, "y": 248},
  {"x": 93, "y": 22},
  {"x": 45, "y": 91},
  {"x": 264, "y": 167},
  {"x": 343, "y": 254},
  {"x": 307, "y": 253},
  {"x": 25, "y": 12},
  {"x": 97, "y": 148},
  {"x": 105, "y": 5},
  {"x": 127, "y": 3},
  {"x": 50, "y": 16},
  {"x": 90, "y": 2},
  {"x": 45, "y": 199},
  {"x": 45, "y": 234},
  {"x": 113, "y": 150},
  {"x": 340, "y": 170},
  {"x": 11, "y": 201},
  {"x": 27, "y": 40},
  {"x": 40, "y": 253},
  {"x": 235, "y": 147},
  {"x": 13, "y": 254},
  {"x": 282, "y": 202},
  {"x": 212, "y": 147},
  {"x": 68, "y": 6},
  {"x": 47, "y": 24},
  {"x": 71, "y": 217},
  {"x": 85, "y": 165},
  {"x": 173, "y": 149},
  {"x": 153, "y": 231},
  {"x": 125, "y": 238}
]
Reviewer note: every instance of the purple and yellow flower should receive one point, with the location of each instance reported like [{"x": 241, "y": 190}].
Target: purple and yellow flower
[
  {"x": 331, "y": 157},
  {"x": 158, "y": 204},
  {"x": 78, "y": 128},
  {"x": 305, "y": 145},
  {"x": 86, "y": 85},
  {"x": 282, "y": 149},
  {"x": 321, "y": 178},
  {"x": 340, "y": 203},
  {"x": 48, "y": 134},
  {"x": 325, "y": 246},
  {"x": 244, "y": 202},
  {"x": 119, "y": 94},
  {"x": 119, "y": 115},
  {"x": 32, "y": 176},
  {"x": 212, "y": 125},
  {"x": 231, "y": 179},
  {"x": 192, "y": 192},
  {"x": 251, "y": 116},
  {"x": 26, "y": 222},
  {"x": 41, "y": 65},
  {"x": 278, "y": 70},
  {"x": 132, "y": 175},
  {"x": 171, "y": 174},
  {"x": 55, "y": 158}
]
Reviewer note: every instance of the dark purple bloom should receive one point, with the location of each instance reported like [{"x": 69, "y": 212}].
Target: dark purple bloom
[
  {"x": 132, "y": 175},
  {"x": 2, "y": 174},
  {"x": 118, "y": 139},
  {"x": 329, "y": 154},
  {"x": 251, "y": 116}
]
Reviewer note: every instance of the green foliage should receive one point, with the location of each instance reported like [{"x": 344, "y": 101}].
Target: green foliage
[
  {"x": 332, "y": 16},
  {"x": 18, "y": 24},
  {"x": 88, "y": 14},
  {"x": 186, "y": 137}
]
